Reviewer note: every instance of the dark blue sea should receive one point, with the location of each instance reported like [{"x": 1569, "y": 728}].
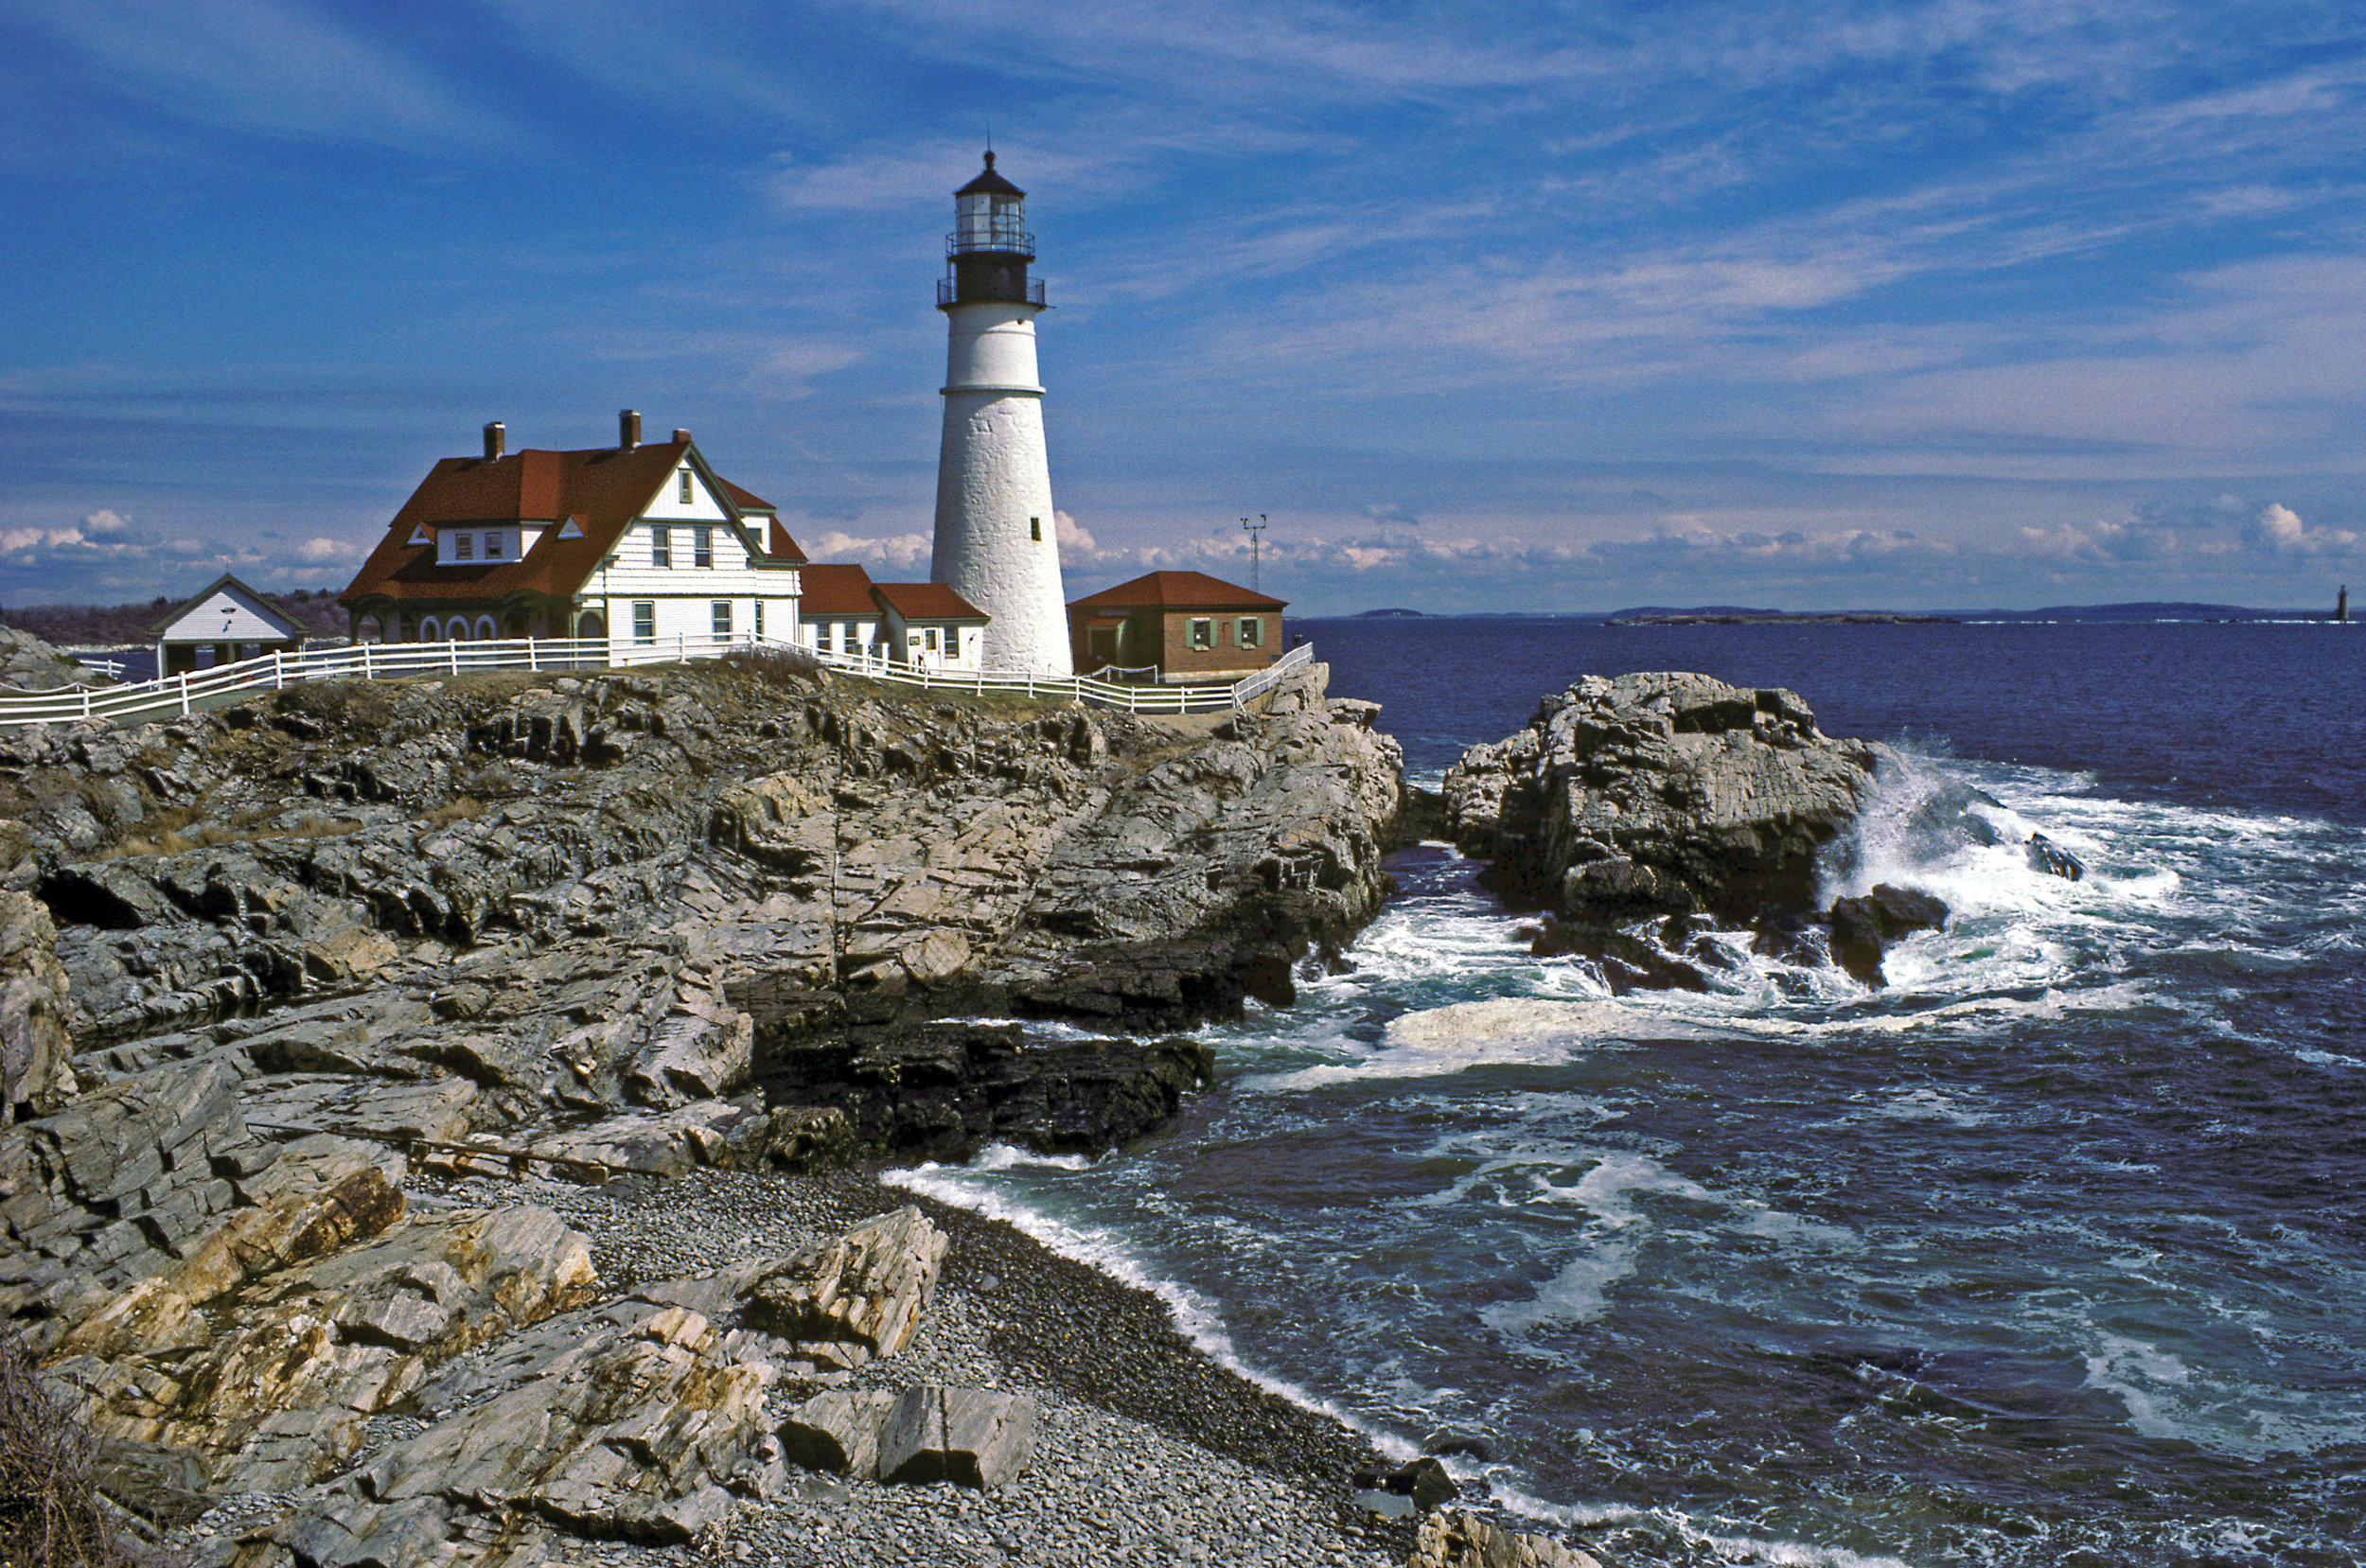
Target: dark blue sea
[{"x": 2053, "y": 1252}]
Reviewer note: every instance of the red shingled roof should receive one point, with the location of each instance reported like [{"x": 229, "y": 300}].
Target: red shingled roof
[
  {"x": 928, "y": 602},
  {"x": 1178, "y": 591},
  {"x": 830, "y": 589},
  {"x": 603, "y": 490}
]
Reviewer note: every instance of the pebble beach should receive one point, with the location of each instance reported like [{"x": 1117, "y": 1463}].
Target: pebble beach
[{"x": 1147, "y": 1452}]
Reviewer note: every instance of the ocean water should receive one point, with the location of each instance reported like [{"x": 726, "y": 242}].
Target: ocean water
[{"x": 2053, "y": 1252}]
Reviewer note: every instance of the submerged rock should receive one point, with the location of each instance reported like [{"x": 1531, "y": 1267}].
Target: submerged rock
[
  {"x": 1863, "y": 927},
  {"x": 2053, "y": 859}
]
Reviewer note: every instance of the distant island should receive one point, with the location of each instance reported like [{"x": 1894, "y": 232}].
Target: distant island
[
  {"x": 1775, "y": 617},
  {"x": 1393, "y": 612}
]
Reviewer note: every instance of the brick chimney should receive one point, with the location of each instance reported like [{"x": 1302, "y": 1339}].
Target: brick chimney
[
  {"x": 496, "y": 441},
  {"x": 680, "y": 434},
  {"x": 627, "y": 429}
]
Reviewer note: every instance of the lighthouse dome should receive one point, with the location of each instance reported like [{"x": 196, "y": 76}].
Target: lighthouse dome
[{"x": 989, "y": 214}]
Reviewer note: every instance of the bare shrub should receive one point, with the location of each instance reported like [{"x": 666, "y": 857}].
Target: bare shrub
[
  {"x": 777, "y": 666},
  {"x": 50, "y": 1511}
]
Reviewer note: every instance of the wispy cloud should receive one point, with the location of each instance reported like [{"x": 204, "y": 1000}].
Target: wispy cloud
[{"x": 275, "y": 67}]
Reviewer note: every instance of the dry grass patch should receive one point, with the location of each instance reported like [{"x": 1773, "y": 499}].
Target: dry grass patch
[{"x": 50, "y": 1511}]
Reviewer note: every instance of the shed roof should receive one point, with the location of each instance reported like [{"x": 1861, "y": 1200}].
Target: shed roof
[
  {"x": 928, "y": 602},
  {"x": 1178, "y": 591},
  {"x": 830, "y": 589}
]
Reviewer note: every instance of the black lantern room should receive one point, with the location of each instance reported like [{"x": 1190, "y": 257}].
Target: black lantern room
[{"x": 987, "y": 253}]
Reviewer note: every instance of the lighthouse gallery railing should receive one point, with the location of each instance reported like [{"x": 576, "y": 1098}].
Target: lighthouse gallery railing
[{"x": 197, "y": 690}]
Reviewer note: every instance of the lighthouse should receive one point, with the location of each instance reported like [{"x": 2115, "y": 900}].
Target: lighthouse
[{"x": 996, "y": 544}]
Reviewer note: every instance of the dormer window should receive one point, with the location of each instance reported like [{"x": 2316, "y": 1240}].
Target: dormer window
[
  {"x": 464, "y": 547},
  {"x": 683, "y": 480},
  {"x": 493, "y": 545}
]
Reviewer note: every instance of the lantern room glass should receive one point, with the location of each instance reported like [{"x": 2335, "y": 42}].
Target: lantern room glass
[{"x": 987, "y": 220}]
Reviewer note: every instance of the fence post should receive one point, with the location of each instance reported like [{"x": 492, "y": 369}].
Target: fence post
[
  {"x": 530, "y": 661},
  {"x": 86, "y": 702},
  {"x": 185, "y": 694},
  {"x": 367, "y": 674},
  {"x": 451, "y": 654}
]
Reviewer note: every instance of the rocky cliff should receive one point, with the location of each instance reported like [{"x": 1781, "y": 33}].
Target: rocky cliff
[
  {"x": 495, "y": 903},
  {"x": 266, "y": 972}
]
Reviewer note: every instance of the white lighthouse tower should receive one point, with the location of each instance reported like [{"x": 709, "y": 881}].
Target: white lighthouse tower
[{"x": 995, "y": 545}]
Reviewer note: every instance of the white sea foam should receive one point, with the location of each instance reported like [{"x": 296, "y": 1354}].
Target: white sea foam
[
  {"x": 1723, "y": 1546},
  {"x": 1500, "y": 1032},
  {"x": 1193, "y": 1316}
]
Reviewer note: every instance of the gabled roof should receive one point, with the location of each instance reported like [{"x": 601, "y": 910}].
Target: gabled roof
[
  {"x": 260, "y": 603},
  {"x": 1178, "y": 591},
  {"x": 928, "y": 602},
  {"x": 601, "y": 490},
  {"x": 830, "y": 590}
]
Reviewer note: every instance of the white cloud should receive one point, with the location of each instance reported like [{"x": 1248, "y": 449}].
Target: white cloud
[
  {"x": 106, "y": 524},
  {"x": 2278, "y": 530},
  {"x": 318, "y": 552},
  {"x": 1073, "y": 535},
  {"x": 899, "y": 552}
]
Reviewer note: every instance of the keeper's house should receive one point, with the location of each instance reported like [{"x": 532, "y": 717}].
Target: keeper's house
[
  {"x": 926, "y": 625},
  {"x": 1183, "y": 626},
  {"x": 641, "y": 543}
]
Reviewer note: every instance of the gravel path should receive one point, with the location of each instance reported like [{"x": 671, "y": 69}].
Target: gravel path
[{"x": 1146, "y": 1452}]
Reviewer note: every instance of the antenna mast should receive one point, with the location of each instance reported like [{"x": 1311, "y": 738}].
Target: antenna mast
[{"x": 1254, "y": 530}]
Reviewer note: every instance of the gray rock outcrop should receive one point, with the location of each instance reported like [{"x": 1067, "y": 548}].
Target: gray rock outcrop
[
  {"x": 30, "y": 664},
  {"x": 623, "y": 895},
  {"x": 1456, "y": 1539},
  {"x": 36, "y": 1052},
  {"x": 1653, "y": 795}
]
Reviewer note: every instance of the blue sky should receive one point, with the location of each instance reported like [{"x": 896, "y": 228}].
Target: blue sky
[{"x": 1527, "y": 306}]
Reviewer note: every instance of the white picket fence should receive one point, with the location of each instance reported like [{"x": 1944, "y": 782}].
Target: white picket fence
[{"x": 197, "y": 690}]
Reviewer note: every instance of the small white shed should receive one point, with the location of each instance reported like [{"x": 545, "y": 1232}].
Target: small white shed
[{"x": 233, "y": 619}]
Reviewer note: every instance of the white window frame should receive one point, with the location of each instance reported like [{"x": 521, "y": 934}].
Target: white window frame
[
  {"x": 464, "y": 546},
  {"x": 661, "y": 547},
  {"x": 719, "y": 616},
  {"x": 1203, "y": 634},
  {"x": 644, "y": 621}
]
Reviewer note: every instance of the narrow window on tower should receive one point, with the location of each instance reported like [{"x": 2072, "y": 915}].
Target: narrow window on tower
[
  {"x": 682, "y": 490},
  {"x": 702, "y": 547},
  {"x": 1034, "y": 529},
  {"x": 660, "y": 546},
  {"x": 1203, "y": 634}
]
